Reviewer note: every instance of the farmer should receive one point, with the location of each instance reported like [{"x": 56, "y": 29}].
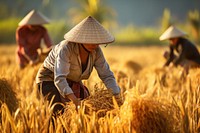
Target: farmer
[
  {"x": 72, "y": 60},
  {"x": 29, "y": 35},
  {"x": 187, "y": 54}
]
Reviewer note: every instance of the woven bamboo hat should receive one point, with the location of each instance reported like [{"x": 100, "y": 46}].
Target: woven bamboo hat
[
  {"x": 172, "y": 32},
  {"x": 34, "y": 18},
  {"x": 89, "y": 31}
]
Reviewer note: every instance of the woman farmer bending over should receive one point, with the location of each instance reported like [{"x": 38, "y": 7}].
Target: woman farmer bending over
[
  {"x": 29, "y": 35},
  {"x": 187, "y": 54},
  {"x": 72, "y": 60}
]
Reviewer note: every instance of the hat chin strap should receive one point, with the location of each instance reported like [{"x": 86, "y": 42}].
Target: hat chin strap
[
  {"x": 85, "y": 48},
  {"x": 106, "y": 45}
]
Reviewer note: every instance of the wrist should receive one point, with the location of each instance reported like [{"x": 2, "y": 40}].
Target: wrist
[{"x": 73, "y": 98}]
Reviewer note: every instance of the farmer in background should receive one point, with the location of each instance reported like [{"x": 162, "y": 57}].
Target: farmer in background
[
  {"x": 29, "y": 35},
  {"x": 72, "y": 60},
  {"x": 182, "y": 51}
]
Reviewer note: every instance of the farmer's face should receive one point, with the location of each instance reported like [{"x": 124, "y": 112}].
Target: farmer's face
[
  {"x": 33, "y": 27},
  {"x": 91, "y": 47},
  {"x": 173, "y": 41}
]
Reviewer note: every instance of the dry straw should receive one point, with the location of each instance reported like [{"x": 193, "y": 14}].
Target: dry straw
[
  {"x": 93, "y": 109},
  {"x": 147, "y": 115},
  {"x": 101, "y": 102},
  {"x": 7, "y": 95}
]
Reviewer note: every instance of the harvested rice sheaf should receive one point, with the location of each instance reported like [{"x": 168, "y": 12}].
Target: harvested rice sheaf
[
  {"x": 7, "y": 95},
  {"x": 134, "y": 66},
  {"x": 101, "y": 102},
  {"x": 153, "y": 116}
]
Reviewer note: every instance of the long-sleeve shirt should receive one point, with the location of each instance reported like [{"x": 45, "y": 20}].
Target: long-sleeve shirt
[
  {"x": 63, "y": 62},
  {"x": 29, "y": 40},
  {"x": 186, "y": 50}
]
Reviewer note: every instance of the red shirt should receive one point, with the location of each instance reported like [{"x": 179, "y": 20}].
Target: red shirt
[{"x": 29, "y": 40}]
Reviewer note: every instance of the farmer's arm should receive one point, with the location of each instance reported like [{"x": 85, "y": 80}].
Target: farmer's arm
[
  {"x": 171, "y": 57},
  {"x": 181, "y": 56},
  {"x": 61, "y": 70},
  {"x": 21, "y": 42},
  {"x": 104, "y": 72}
]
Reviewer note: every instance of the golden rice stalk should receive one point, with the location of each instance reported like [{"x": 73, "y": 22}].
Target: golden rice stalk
[
  {"x": 7, "y": 121},
  {"x": 87, "y": 119}
]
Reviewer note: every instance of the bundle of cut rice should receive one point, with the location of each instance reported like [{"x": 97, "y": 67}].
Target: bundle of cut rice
[
  {"x": 148, "y": 115},
  {"x": 133, "y": 66},
  {"x": 101, "y": 102},
  {"x": 7, "y": 95}
]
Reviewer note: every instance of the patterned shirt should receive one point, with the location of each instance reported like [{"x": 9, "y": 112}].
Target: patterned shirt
[{"x": 63, "y": 62}]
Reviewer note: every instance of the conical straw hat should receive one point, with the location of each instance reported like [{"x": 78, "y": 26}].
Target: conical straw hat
[
  {"x": 34, "y": 18},
  {"x": 172, "y": 32},
  {"x": 89, "y": 31}
]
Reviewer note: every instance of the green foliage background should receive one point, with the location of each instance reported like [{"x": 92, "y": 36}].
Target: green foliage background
[
  {"x": 8, "y": 27},
  {"x": 128, "y": 35},
  {"x": 124, "y": 35}
]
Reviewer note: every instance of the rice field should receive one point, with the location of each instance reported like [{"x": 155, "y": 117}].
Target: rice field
[{"x": 153, "y": 99}]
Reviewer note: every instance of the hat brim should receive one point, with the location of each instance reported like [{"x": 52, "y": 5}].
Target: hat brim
[
  {"x": 172, "y": 32},
  {"x": 34, "y": 18},
  {"x": 89, "y": 31}
]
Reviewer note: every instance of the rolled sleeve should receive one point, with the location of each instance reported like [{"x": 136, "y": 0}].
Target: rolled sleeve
[
  {"x": 105, "y": 74},
  {"x": 61, "y": 70}
]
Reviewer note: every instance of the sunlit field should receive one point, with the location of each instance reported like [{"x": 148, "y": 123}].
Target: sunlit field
[{"x": 153, "y": 99}]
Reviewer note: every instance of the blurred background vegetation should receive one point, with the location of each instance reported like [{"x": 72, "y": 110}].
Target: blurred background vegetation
[{"x": 132, "y": 22}]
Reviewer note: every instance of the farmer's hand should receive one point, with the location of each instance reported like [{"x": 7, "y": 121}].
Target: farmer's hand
[
  {"x": 117, "y": 97},
  {"x": 170, "y": 67},
  {"x": 34, "y": 62},
  {"x": 74, "y": 99}
]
